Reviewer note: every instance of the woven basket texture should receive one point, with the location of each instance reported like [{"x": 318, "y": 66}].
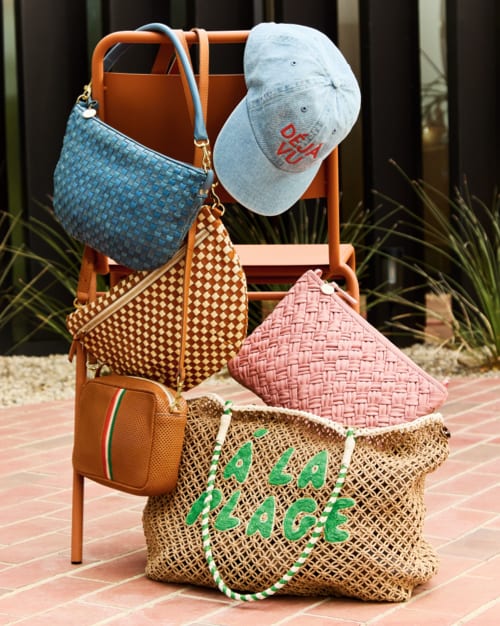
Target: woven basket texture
[
  {"x": 131, "y": 203},
  {"x": 315, "y": 353},
  {"x": 385, "y": 555},
  {"x": 142, "y": 337}
]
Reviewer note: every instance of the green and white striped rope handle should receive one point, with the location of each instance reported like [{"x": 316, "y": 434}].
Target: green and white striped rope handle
[{"x": 315, "y": 535}]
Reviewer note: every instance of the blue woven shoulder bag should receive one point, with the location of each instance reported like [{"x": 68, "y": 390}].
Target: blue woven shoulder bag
[{"x": 121, "y": 198}]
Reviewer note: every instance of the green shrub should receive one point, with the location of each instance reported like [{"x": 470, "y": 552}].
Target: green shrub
[
  {"x": 467, "y": 242},
  {"x": 29, "y": 303}
]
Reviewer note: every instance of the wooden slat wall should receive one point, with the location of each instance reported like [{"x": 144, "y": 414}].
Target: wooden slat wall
[
  {"x": 51, "y": 61},
  {"x": 391, "y": 128},
  {"x": 474, "y": 94},
  {"x": 55, "y": 39}
]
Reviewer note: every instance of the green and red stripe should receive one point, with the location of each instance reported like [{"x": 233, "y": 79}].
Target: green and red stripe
[{"x": 107, "y": 433}]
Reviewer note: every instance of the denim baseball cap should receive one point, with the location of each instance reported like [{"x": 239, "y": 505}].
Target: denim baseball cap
[{"x": 302, "y": 100}]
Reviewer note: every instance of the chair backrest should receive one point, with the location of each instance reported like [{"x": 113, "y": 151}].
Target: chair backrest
[{"x": 151, "y": 108}]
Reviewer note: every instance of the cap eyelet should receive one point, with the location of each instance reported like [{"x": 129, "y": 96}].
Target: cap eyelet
[
  {"x": 303, "y": 109},
  {"x": 293, "y": 63}
]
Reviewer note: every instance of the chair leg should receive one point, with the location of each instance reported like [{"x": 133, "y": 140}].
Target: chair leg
[
  {"x": 352, "y": 287},
  {"x": 348, "y": 270},
  {"x": 78, "y": 479},
  {"x": 77, "y": 519}
]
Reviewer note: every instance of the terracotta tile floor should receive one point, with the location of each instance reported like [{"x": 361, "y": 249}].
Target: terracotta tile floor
[{"x": 39, "y": 586}]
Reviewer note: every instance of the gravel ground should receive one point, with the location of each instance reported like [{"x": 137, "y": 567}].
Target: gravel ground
[
  {"x": 34, "y": 379},
  {"x": 29, "y": 380}
]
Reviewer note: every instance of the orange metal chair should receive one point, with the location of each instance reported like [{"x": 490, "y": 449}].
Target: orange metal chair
[{"x": 151, "y": 108}]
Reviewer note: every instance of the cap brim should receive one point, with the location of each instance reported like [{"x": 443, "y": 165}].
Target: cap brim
[{"x": 250, "y": 178}]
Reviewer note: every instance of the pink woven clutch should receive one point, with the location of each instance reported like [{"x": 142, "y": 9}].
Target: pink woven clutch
[{"x": 315, "y": 353}]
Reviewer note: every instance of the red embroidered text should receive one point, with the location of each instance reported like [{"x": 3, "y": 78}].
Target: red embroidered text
[{"x": 296, "y": 146}]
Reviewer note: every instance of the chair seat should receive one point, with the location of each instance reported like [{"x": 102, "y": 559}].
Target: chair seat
[{"x": 281, "y": 263}]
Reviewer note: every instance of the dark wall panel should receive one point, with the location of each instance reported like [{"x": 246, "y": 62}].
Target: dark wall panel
[
  {"x": 3, "y": 138},
  {"x": 221, "y": 15},
  {"x": 320, "y": 14},
  {"x": 53, "y": 67},
  {"x": 4, "y": 332},
  {"x": 224, "y": 15},
  {"x": 391, "y": 125},
  {"x": 129, "y": 14},
  {"x": 474, "y": 102},
  {"x": 474, "y": 94}
]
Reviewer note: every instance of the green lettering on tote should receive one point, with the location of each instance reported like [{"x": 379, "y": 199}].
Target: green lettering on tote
[
  {"x": 225, "y": 520},
  {"x": 315, "y": 471},
  {"x": 260, "y": 432},
  {"x": 333, "y": 534},
  {"x": 263, "y": 519},
  {"x": 197, "y": 506},
  {"x": 295, "y": 529},
  {"x": 277, "y": 475},
  {"x": 240, "y": 464}
]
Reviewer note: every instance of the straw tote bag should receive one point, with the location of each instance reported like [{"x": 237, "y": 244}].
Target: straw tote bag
[
  {"x": 296, "y": 504},
  {"x": 315, "y": 353}
]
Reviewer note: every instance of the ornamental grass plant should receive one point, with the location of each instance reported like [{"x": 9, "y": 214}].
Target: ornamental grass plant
[
  {"x": 465, "y": 268},
  {"x": 467, "y": 242},
  {"x": 9, "y": 300},
  {"x": 42, "y": 302}
]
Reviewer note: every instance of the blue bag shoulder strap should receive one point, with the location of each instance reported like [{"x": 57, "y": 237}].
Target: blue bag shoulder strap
[{"x": 200, "y": 131}]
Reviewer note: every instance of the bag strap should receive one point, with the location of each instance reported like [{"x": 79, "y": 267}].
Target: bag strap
[
  {"x": 166, "y": 62},
  {"x": 191, "y": 236},
  {"x": 316, "y": 534},
  {"x": 200, "y": 131},
  {"x": 202, "y": 159},
  {"x": 86, "y": 288}
]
